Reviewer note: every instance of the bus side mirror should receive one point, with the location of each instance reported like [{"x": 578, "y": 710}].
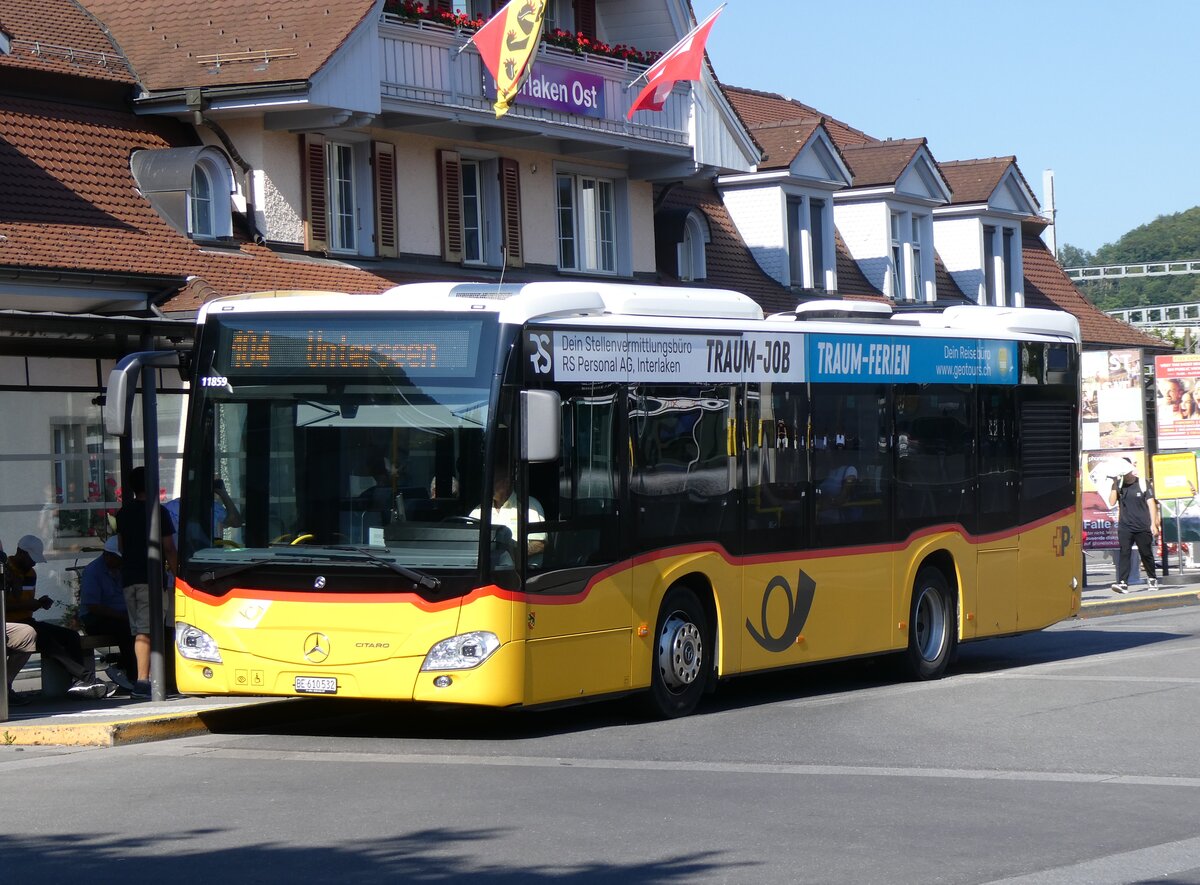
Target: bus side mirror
[
  {"x": 540, "y": 417},
  {"x": 116, "y": 402}
]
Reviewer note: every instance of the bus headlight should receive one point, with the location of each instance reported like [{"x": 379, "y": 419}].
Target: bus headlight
[
  {"x": 194, "y": 644},
  {"x": 461, "y": 652}
]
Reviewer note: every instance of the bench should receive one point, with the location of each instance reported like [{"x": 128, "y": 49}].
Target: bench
[{"x": 56, "y": 680}]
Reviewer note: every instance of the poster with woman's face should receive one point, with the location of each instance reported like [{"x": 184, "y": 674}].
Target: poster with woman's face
[{"x": 1177, "y": 401}]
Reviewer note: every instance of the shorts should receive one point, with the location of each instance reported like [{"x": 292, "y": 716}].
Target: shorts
[{"x": 137, "y": 602}]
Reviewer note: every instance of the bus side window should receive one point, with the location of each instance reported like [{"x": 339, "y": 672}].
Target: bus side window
[
  {"x": 579, "y": 491},
  {"x": 778, "y": 494}
]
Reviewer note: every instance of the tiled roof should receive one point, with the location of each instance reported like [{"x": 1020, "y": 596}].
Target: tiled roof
[
  {"x": 729, "y": 262},
  {"x": 57, "y": 36},
  {"x": 974, "y": 181},
  {"x": 172, "y": 43},
  {"x": 69, "y": 202},
  {"x": 881, "y": 162},
  {"x": 781, "y": 142},
  {"x": 946, "y": 288},
  {"x": 766, "y": 108},
  {"x": 1047, "y": 286}
]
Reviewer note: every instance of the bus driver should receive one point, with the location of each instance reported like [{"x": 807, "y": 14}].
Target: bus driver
[{"x": 505, "y": 512}]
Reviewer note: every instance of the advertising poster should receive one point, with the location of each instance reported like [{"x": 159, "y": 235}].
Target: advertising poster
[
  {"x": 1099, "y": 520},
  {"x": 1177, "y": 401},
  {"x": 1113, "y": 415}
]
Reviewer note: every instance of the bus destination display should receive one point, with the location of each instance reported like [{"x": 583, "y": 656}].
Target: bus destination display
[{"x": 339, "y": 347}]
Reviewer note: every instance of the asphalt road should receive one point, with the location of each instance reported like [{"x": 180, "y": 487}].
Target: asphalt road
[{"x": 1067, "y": 756}]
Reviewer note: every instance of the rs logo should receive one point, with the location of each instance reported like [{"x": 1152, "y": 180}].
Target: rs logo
[
  {"x": 1062, "y": 539},
  {"x": 540, "y": 359},
  {"x": 797, "y": 607}
]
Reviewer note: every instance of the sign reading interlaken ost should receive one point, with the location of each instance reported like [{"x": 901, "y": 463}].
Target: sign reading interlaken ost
[{"x": 558, "y": 89}]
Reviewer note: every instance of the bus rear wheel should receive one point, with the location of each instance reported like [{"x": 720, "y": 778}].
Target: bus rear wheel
[
  {"x": 931, "y": 626},
  {"x": 682, "y": 655}
]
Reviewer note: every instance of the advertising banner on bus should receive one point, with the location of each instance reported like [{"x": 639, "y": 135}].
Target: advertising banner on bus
[
  {"x": 897, "y": 360},
  {"x": 1177, "y": 401},
  {"x": 644, "y": 357}
]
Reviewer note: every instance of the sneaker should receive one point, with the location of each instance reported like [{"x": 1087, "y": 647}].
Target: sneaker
[
  {"x": 1120, "y": 587},
  {"x": 85, "y": 690},
  {"x": 141, "y": 689},
  {"x": 117, "y": 676},
  {"x": 1152, "y": 584},
  {"x": 16, "y": 699}
]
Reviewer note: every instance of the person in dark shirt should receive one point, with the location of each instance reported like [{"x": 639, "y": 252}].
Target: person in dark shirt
[
  {"x": 1139, "y": 522},
  {"x": 134, "y": 534}
]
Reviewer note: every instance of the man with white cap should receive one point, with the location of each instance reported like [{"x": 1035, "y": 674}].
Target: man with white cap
[
  {"x": 102, "y": 606},
  {"x": 1139, "y": 522},
  {"x": 53, "y": 641}
]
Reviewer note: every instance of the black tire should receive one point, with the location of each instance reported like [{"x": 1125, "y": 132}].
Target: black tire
[
  {"x": 932, "y": 626},
  {"x": 682, "y": 655}
]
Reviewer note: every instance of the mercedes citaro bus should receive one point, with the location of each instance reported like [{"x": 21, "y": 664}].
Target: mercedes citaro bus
[{"x": 523, "y": 495}]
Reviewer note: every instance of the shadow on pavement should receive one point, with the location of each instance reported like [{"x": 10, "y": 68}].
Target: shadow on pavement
[
  {"x": 441, "y": 855},
  {"x": 375, "y": 719}
]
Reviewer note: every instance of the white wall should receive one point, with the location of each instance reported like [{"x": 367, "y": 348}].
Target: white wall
[
  {"x": 761, "y": 218},
  {"x": 864, "y": 229},
  {"x": 959, "y": 241}
]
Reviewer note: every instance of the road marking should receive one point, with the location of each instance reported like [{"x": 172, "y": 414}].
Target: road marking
[
  {"x": 652, "y": 765},
  {"x": 1175, "y": 680},
  {"x": 1141, "y": 865}
]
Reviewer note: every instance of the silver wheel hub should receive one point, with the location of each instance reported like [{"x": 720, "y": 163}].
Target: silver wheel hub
[
  {"x": 930, "y": 627},
  {"x": 680, "y": 652}
]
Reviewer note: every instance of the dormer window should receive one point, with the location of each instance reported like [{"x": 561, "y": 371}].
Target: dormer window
[
  {"x": 693, "y": 262},
  {"x": 911, "y": 265},
  {"x": 809, "y": 238},
  {"x": 191, "y": 188}
]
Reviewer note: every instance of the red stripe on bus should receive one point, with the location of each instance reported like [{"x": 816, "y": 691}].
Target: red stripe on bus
[{"x": 491, "y": 590}]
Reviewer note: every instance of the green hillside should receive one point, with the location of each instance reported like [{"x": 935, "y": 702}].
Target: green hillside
[{"x": 1167, "y": 238}]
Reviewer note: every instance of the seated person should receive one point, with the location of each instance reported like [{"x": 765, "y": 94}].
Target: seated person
[
  {"x": 20, "y": 641},
  {"x": 102, "y": 605},
  {"x": 53, "y": 641},
  {"x": 505, "y": 513}
]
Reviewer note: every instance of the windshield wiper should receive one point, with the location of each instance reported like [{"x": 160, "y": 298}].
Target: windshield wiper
[
  {"x": 229, "y": 571},
  {"x": 429, "y": 582}
]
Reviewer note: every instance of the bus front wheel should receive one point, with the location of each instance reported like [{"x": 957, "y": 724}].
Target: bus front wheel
[
  {"x": 683, "y": 651},
  {"x": 931, "y": 626}
]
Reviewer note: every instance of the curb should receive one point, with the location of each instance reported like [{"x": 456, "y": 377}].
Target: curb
[
  {"x": 155, "y": 727},
  {"x": 1150, "y": 603}
]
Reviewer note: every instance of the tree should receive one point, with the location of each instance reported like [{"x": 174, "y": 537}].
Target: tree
[{"x": 1073, "y": 256}]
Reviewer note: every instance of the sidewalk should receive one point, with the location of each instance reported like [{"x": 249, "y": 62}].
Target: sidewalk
[
  {"x": 108, "y": 722},
  {"x": 1099, "y": 599}
]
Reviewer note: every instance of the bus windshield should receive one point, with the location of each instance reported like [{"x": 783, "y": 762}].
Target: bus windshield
[{"x": 368, "y": 453}]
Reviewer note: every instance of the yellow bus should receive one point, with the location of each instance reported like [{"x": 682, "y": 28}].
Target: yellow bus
[{"x": 523, "y": 495}]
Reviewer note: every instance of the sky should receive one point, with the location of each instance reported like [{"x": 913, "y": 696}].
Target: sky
[{"x": 1105, "y": 93}]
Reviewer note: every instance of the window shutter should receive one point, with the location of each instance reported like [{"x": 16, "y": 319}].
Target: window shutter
[
  {"x": 315, "y": 202},
  {"x": 383, "y": 165},
  {"x": 585, "y": 18},
  {"x": 510, "y": 209},
  {"x": 442, "y": 6},
  {"x": 450, "y": 187}
]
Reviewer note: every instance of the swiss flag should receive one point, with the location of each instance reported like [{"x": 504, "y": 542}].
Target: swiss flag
[{"x": 682, "y": 61}]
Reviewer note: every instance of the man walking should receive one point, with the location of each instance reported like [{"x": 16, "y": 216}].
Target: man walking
[{"x": 1139, "y": 523}]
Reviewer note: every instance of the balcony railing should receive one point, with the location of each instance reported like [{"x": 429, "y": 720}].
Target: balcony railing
[{"x": 423, "y": 67}]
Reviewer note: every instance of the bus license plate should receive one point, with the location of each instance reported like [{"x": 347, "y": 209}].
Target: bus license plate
[{"x": 316, "y": 685}]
